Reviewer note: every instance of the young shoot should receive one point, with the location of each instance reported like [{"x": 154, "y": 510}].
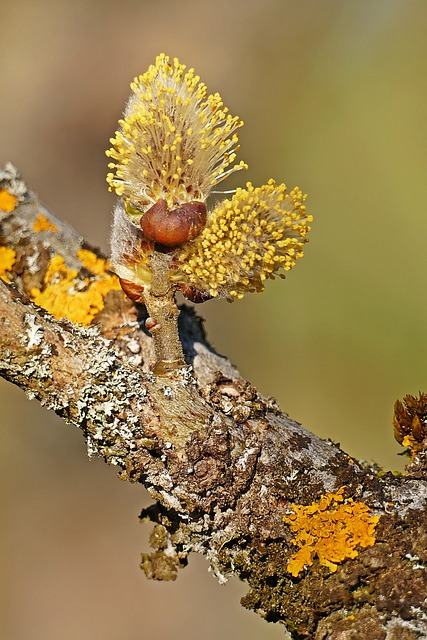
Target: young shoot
[{"x": 174, "y": 144}]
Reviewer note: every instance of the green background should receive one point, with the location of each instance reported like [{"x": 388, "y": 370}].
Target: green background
[{"x": 334, "y": 98}]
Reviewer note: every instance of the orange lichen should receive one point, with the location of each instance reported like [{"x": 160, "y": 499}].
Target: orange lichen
[
  {"x": 90, "y": 261},
  {"x": 7, "y": 200},
  {"x": 42, "y": 223},
  {"x": 330, "y": 530},
  {"x": 7, "y": 260},
  {"x": 79, "y": 298}
]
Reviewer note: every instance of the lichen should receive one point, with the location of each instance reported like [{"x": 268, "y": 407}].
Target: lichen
[
  {"x": 330, "y": 529},
  {"x": 164, "y": 563},
  {"x": 7, "y": 260},
  {"x": 42, "y": 223},
  {"x": 7, "y": 200},
  {"x": 66, "y": 294}
]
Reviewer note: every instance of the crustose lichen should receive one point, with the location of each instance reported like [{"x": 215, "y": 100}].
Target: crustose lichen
[{"x": 331, "y": 529}]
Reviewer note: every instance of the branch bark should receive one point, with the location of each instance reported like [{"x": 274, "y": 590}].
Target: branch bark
[{"x": 225, "y": 466}]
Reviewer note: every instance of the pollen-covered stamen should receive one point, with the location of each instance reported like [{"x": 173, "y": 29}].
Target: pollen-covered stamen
[{"x": 175, "y": 141}]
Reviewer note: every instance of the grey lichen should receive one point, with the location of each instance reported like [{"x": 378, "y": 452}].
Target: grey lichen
[{"x": 411, "y": 495}]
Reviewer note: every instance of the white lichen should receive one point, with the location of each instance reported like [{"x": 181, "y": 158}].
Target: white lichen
[{"x": 34, "y": 332}]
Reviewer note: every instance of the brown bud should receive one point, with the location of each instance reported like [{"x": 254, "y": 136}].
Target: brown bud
[
  {"x": 150, "y": 323},
  {"x": 410, "y": 420},
  {"x": 193, "y": 294},
  {"x": 172, "y": 227},
  {"x": 132, "y": 290}
]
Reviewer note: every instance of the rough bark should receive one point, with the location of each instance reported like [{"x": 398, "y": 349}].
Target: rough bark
[{"x": 223, "y": 464}]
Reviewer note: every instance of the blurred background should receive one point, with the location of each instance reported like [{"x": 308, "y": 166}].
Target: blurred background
[{"x": 334, "y": 99}]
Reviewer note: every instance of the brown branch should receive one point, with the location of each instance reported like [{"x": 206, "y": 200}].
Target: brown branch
[{"x": 225, "y": 466}]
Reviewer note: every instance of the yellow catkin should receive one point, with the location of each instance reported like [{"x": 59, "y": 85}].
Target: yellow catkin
[
  {"x": 331, "y": 530},
  {"x": 256, "y": 234},
  {"x": 175, "y": 140}
]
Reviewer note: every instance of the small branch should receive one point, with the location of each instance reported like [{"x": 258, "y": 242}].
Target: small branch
[
  {"x": 163, "y": 313},
  {"x": 225, "y": 466}
]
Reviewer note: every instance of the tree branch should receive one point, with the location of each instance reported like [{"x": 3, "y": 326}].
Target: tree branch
[{"x": 233, "y": 477}]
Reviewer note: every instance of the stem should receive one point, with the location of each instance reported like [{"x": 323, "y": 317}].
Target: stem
[{"x": 162, "y": 309}]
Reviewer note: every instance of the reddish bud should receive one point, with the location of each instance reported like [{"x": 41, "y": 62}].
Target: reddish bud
[
  {"x": 150, "y": 323},
  {"x": 132, "y": 290},
  {"x": 172, "y": 227},
  {"x": 193, "y": 294}
]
